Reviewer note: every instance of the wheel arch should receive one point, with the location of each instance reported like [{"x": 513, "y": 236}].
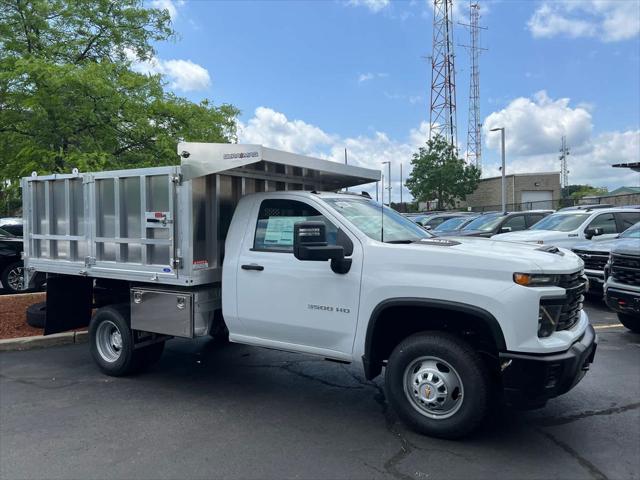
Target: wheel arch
[{"x": 380, "y": 339}]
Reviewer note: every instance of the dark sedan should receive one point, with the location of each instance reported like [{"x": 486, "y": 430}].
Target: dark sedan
[{"x": 491, "y": 224}]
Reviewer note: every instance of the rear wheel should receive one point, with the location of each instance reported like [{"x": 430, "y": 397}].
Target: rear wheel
[
  {"x": 12, "y": 277},
  {"x": 438, "y": 385},
  {"x": 112, "y": 343},
  {"x": 630, "y": 321}
]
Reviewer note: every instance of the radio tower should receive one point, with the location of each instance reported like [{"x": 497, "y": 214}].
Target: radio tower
[
  {"x": 442, "y": 112},
  {"x": 564, "y": 171},
  {"x": 474, "y": 127}
]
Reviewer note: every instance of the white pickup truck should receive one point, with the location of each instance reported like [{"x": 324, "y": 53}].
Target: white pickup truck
[{"x": 457, "y": 324}]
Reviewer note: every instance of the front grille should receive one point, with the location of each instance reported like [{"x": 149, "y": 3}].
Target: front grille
[
  {"x": 575, "y": 285},
  {"x": 626, "y": 269},
  {"x": 593, "y": 260}
]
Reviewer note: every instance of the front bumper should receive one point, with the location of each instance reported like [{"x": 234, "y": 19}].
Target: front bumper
[
  {"x": 529, "y": 380},
  {"x": 623, "y": 301}
]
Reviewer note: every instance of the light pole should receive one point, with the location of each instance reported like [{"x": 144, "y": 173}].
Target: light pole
[
  {"x": 504, "y": 186},
  {"x": 388, "y": 163}
]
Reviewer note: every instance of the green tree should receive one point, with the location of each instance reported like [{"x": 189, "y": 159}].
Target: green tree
[
  {"x": 69, "y": 97},
  {"x": 438, "y": 174},
  {"x": 576, "y": 192}
]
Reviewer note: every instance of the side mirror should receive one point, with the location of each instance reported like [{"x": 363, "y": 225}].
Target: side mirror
[
  {"x": 505, "y": 230},
  {"x": 589, "y": 233},
  {"x": 310, "y": 244}
]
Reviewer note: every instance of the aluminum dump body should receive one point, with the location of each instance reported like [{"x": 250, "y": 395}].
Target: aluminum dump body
[{"x": 164, "y": 225}]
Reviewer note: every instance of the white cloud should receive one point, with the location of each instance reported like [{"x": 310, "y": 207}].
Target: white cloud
[
  {"x": 183, "y": 75},
  {"x": 373, "y": 5},
  {"x": 535, "y": 126},
  {"x": 365, "y": 77},
  {"x": 609, "y": 20},
  {"x": 170, "y": 5}
]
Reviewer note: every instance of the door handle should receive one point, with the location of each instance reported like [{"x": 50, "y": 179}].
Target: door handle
[{"x": 253, "y": 266}]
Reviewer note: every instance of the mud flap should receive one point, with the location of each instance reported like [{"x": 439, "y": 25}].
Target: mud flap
[{"x": 69, "y": 302}]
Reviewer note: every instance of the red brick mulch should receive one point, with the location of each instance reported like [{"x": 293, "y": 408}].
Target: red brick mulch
[{"x": 13, "y": 317}]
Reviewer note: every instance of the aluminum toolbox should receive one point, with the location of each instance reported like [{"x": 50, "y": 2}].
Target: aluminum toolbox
[{"x": 163, "y": 225}]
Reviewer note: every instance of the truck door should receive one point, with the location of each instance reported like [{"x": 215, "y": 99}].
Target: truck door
[{"x": 287, "y": 303}]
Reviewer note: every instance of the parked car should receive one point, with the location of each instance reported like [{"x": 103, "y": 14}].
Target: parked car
[
  {"x": 622, "y": 284},
  {"x": 491, "y": 224},
  {"x": 455, "y": 223},
  {"x": 454, "y": 323},
  {"x": 570, "y": 227},
  {"x": 13, "y": 225},
  {"x": 11, "y": 269},
  {"x": 595, "y": 255},
  {"x": 432, "y": 221},
  {"x": 587, "y": 207}
]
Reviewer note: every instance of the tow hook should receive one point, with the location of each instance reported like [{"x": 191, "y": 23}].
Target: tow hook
[{"x": 505, "y": 365}]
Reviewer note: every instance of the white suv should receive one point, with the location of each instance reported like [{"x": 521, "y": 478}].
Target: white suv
[{"x": 568, "y": 228}]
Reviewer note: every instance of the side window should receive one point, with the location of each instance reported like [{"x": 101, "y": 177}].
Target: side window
[
  {"x": 535, "y": 218},
  {"x": 515, "y": 223},
  {"x": 627, "y": 219},
  {"x": 276, "y": 218},
  {"x": 606, "y": 222}
]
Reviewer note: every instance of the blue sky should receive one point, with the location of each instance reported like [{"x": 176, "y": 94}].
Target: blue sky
[{"x": 319, "y": 76}]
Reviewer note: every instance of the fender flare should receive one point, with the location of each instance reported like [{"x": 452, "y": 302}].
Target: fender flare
[{"x": 372, "y": 369}]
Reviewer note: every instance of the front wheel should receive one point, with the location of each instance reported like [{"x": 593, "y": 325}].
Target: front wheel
[
  {"x": 438, "y": 385},
  {"x": 630, "y": 321}
]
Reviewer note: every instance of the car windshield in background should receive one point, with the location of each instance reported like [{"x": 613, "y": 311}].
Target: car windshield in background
[
  {"x": 631, "y": 232},
  {"x": 561, "y": 222},
  {"x": 451, "y": 224},
  {"x": 485, "y": 223},
  {"x": 366, "y": 215}
]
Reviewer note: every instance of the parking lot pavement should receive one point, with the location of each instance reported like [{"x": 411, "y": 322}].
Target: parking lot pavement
[{"x": 242, "y": 412}]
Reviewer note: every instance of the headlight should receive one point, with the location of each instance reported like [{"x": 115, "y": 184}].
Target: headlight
[{"x": 535, "y": 279}]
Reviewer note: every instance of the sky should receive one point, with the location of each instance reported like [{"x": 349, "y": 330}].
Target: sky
[{"x": 318, "y": 76}]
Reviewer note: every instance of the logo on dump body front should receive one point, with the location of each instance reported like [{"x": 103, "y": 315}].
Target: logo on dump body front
[{"x": 231, "y": 156}]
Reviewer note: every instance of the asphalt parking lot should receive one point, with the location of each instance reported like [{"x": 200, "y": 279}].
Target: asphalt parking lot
[{"x": 242, "y": 412}]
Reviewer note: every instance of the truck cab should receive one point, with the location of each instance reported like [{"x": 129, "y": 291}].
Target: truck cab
[{"x": 450, "y": 321}]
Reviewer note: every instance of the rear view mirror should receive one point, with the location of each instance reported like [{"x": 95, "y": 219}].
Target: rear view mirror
[
  {"x": 310, "y": 244},
  {"x": 589, "y": 233}
]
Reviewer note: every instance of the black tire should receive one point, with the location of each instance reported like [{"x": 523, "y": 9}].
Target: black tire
[
  {"x": 466, "y": 366},
  {"x": 630, "y": 321},
  {"x": 8, "y": 277},
  {"x": 124, "y": 363},
  {"x": 37, "y": 314}
]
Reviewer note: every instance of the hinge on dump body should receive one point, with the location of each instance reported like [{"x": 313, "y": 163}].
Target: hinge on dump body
[
  {"x": 176, "y": 263},
  {"x": 88, "y": 179},
  {"x": 89, "y": 261},
  {"x": 177, "y": 179}
]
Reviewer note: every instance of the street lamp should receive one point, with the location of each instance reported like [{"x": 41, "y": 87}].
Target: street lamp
[
  {"x": 388, "y": 180},
  {"x": 504, "y": 187}
]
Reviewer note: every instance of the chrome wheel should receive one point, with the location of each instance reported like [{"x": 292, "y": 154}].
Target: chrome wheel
[
  {"x": 15, "y": 279},
  {"x": 433, "y": 387},
  {"x": 109, "y": 341}
]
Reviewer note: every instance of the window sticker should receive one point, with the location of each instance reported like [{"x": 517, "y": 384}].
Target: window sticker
[{"x": 280, "y": 230}]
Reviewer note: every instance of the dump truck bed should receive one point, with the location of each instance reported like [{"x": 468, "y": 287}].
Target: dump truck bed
[{"x": 164, "y": 225}]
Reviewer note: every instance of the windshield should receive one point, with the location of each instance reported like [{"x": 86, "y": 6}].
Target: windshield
[
  {"x": 561, "y": 222},
  {"x": 367, "y": 217},
  {"x": 4, "y": 233},
  {"x": 450, "y": 224},
  {"x": 631, "y": 232},
  {"x": 485, "y": 223}
]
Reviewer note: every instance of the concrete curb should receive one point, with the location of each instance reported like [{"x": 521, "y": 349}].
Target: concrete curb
[{"x": 40, "y": 341}]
